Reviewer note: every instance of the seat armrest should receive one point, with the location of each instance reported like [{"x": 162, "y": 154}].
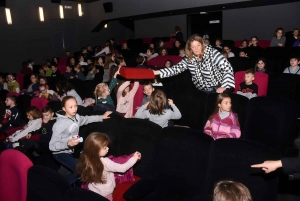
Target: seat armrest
[{"x": 140, "y": 189}]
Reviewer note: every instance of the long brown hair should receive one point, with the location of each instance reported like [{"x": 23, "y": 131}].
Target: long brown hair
[
  {"x": 34, "y": 112},
  {"x": 120, "y": 84},
  {"x": 89, "y": 165},
  {"x": 157, "y": 104},
  {"x": 231, "y": 191},
  {"x": 188, "y": 49},
  {"x": 108, "y": 60}
]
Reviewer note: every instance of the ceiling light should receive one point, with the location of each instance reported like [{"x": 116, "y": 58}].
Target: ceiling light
[
  {"x": 8, "y": 16},
  {"x": 41, "y": 12},
  {"x": 80, "y": 13},
  {"x": 61, "y": 12}
]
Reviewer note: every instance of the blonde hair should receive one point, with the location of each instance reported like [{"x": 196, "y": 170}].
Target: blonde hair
[
  {"x": 188, "y": 50},
  {"x": 231, "y": 191},
  {"x": 99, "y": 90}
]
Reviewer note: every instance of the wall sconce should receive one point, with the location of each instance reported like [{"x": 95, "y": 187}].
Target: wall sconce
[
  {"x": 61, "y": 12},
  {"x": 105, "y": 26},
  {"x": 8, "y": 16},
  {"x": 80, "y": 13},
  {"x": 41, "y": 12}
]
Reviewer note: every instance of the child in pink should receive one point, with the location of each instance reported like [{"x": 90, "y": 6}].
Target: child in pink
[
  {"x": 125, "y": 96},
  {"x": 223, "y": 123}
]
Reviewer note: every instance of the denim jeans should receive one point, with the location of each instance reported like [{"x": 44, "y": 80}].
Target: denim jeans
[{"x": 69, "y": 162}]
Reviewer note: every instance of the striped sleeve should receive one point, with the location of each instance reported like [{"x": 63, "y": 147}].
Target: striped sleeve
[
  {"x": 225, "y": 68},
  {"x": 174, "y": 70}
]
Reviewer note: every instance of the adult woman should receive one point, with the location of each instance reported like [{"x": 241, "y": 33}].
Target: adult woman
[
  {"x": 209, "y": 69},
  {"x": 278, "y": 40}
]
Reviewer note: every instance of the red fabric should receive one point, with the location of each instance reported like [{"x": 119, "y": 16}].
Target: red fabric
[
  {"x": 168, "y": 44},
  {"x": 38, "y": 102},
  {"x": 12, "y": 94},
  {"x": 136, "y": 73},
  {"x": 13, "y": 130},
  {"x": 261, "y": 43},
  {"x": 172, "y": 40},
  {"x": 261, "y": 79},
  {"x": 123, "y": 41},
  {"x": 138, "y": 98},
  {"x": 116, "y": 51},
  {"x": 20, "y": 80},
  {"x": 160, "y": 61},
  {"x": 147, "y": 40},
  {"x": 14, "y": 166},
  {"x": 121, "y": 188},
  {"x": 62, "y": 64},
  {"x": 123, "y": 177}
]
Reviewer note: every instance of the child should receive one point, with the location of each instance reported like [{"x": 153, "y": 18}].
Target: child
[
  {"x": 45, "y": 93},
  {"x": 261, "y": 66},
  {"x": 243, "y": 53},
  {"x": 69, "y": 90},
  {"x": 244, "y": 44},
  {"x": 99, "y": 61},
  {"x": 248, "y": 88},
  {"x": 140, "y": 60},
  {"x": 55, "y": 71},
  {"x": 225, "y": 54},
  {"x": 109, "y": 62},
  {"x": 42, "y": 72},
  {"x": 89, "y": 61},
  {"x": 155, "y": 110},
  {"x": 125, "y": 97},
  {"x": 35, "y": 122},
  {"x": 223, "y": 123},
  {"x": 181, "y": 52},
  {"x": 92, "y": 72},
  {"x": 78, "y": 73},
  {"x": 168, "y": 64},
  {"x": 65, "y": 134},
  {"x": 81, "y": 60},
  {"x": 149, "y": 54},
  {"x": 278, "y": 40},
  {"x": 12, "y": 84},
  {"x": 218, "y": 44},
  {"x": 47, "y": 70},
  {"x": 69, "y": 74},
  {"x": 294, "y": 68},
  {"x": 163, "y": 52},
  {"x": 12, "y": 117},
  {"x": 33, "y": 87},
  {"x": 231, "y": 191},
  {"x": 148, "y": 89},
  {"x": 98, "y": 171},
  {"x": 228, "y": 50},
  {"x": 102, "y": 94}
]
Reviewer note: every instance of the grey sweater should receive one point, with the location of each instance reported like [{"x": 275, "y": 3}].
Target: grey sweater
[
  {"x": 161, "y": 120},
  {"x": 275, "y": 41},
  {"x": 64, "y": 128}
]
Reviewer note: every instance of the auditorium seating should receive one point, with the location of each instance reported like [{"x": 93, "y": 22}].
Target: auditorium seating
[{"x": 160, "y": 61}]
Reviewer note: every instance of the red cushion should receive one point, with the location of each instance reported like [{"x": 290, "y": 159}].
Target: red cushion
[
  {"x": 13, "y": 130},
  {"x": 138, "y": 98},
  {"x": 123, "y": 41},
  {"x": 62, "y": 64},
  {"x": 168, "y": 44},
  {"x": 11, "y": 93},
  {"x": 261, "y": 79},
  {"x": 20, "y": 80},
  {"x": 160, "y": 61},
  {"x": 147, "y": 40},
  {"x": 136, "y": 73},
  {"x": 39, "y": 102},
  {"x": 121, "y": 188}
]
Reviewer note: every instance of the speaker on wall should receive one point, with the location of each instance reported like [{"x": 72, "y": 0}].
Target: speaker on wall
[
  {"x": 55, "y": 1},
  {"x": 108, "y": 7},
  {"x": 2, "y": 3}
]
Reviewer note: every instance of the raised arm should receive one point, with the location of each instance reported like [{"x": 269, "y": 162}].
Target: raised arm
[
  {"x": 174, "y": 70},
  {"x": 121, "y": 88},
  {"x": 134, "y": 89},
  {"x": 102, "y": 51},
  {"x": 175, "y": 114},
  {"x": 116, "y": 167}
]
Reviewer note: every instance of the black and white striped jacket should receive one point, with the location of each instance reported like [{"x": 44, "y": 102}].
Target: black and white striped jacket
[{"x": 212, "y": 71}]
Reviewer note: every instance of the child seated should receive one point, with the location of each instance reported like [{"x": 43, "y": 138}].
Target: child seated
[
  {"x": 149, "y": 54},
  {"x": 218, "y": 44},
  {"x": 294, "y": 68},
  {"x": 97, "y": 170},
  {"x": 228, "y": 50},
  {"x": 181, "y": 52},
  {"x": 248, "y": 88},
  {"x": 45, "y": 93},
  {"x": 47, "y": 70},
  {"x": 243, "y": 53},
  {"x": 69, "y": 72},
  {"x": 223, "y": 123},
  {"x": 92, "y": 72},
  {"x": 78, "y": 72},
  {"x": 261, "y": 66},
  {"x": 168, "y": 64},
  {"x": 140, "y": 60},
  {"x": 12, "y": 84},
  {"x": 231, "y": 191},
  {"x": 33, "y": 87},
  {"x": 55, "y": 71},
  {"x": 148, "y": 89},
  {"x": 155, "y": 110}
]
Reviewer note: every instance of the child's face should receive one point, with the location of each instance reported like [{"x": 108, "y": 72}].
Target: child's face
[
  {"x": 254, "y": 41},
  {"x": 244, "y": 44},
  {"x": 249, "y": 78},
  {"x": 207, "y": 42},
  {"x": 29, "y": 116},
  {"x": 279, "y": 33},
  {"x": 81, "y": 59},
  {"x": 1, "y": 80},
  {"x": 125, "y": 46},
  {"x": 68, "y": 69},
  {"x": 47, "y": 117},
  {"x": 103, "y": 151},
  {"x": 67, "y": 53},
  {"x": 127, "y": 89},
  {"x": 227, "y": 49},
  {"x": 294, "y": 62},
  {"x": 55, "y": 60},
  {"x": 168, "y": 64},
  {"x": 177, "y": 43},
  {"x": 148, "y": 53},
  {"x": 295, "y": 33},
  {"x": 89, "y": 61},
  {"x": 10, "y": 78},
  {"x": 70, "y": 107},
  {"x": 113, "y": 57},
  {"x": 89, "y": 47},
  {"x": 45, "y": 68},
  {"x": 72, "y": 61},
  {"x": 53, "y": 68},
  {"x": 148, "y": 89},
  {"x": 163, "y": 52},
  {"x": 161, "y": 44},
  {"x": 41, "y": 70},
  {"x": 42, "y": 81},
  {"x": 151, "y": 45},
  {"x": 100, "y": 60},
  {"x": 243, "y": 54},
  {"x": 8, "y": 102},
  {"x": 218, "y": 43},
  {"x": 43, "y": 90},
  {"x": 260, "y": 64},
  {"x": 33, "y": 79},
  {"x": 181, "y": 52},
  {"x": 106, "y": 92},
  {"x": 225, "y": 105}
]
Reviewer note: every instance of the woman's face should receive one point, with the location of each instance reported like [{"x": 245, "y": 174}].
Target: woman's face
[
  {"x": 244, "y": 44},
  {"x": 161, "y": 44},
  {"x": 260, "y": 64},
  {"x": 296, "y": 33},
  {"x": 279, "y": 33},
  {"x": 163, "y": 52},
  {"x": 177, "y": 44},
  {"x": 196, "y": 47}
]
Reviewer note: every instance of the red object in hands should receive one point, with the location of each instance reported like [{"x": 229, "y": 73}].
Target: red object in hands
[{"x": 136, "y": 73}]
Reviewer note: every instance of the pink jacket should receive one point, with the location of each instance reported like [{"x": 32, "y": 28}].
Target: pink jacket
[
  {"x": 125, "y": 104},
  {"x": 223, "y": 128}
]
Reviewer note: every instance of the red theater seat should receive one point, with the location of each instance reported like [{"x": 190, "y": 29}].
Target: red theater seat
[
  {"x": 20, "y": 80},
  {"x": 136, "y": 73},
  {"x": 147, "y": 40},
  {"x": 160, "y": 61}
]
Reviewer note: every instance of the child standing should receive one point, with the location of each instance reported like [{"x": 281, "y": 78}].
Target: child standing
[
  {"x": 223, "y": 123},
  {"x": 12, "y": 84},
  {"x": 248, "y": 88},
  {"x": 155, "y": 110},
  {"x": 294, "y": 68},
  {"x": 65, "y": 134},
  {"x": 125, "y": 97},
  {"x": 98, "y": 171},
  {"x": 35, "y": 122}
]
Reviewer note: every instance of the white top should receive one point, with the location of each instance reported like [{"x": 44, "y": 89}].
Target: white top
[
  {"x": 32, "y": 125},
  {"x": 104, "y": 50},
  {"x": 231, "y": 54},
  {"x": 82, "y": 63}
]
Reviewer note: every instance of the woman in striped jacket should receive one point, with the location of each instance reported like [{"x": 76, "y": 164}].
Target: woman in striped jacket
[{"x": 209, "y": 69}]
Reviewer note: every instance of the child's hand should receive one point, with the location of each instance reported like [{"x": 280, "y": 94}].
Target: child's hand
[
  {"x": 73, "y": 142},
  {"x": 170, "y": 101},
  {"x": 146, "y": 104},
  {"x": 117, "y": 72},
  {"x": 25, "y": 126},
  {"x": 268, "y": 166},
  {"x": 156, "y": 72},
  {"x": 137, "y": 108},
  {"x": 137, "y": 155},
  {"x": 10, "y": 139},
  {"x": 106, "y": 115},
  {"x": 28, "y": 135}
]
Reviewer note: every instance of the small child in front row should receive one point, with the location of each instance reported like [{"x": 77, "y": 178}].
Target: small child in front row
[
  {"x": 148, "y": 89},
  {"x": 65, "y": 134},
  {"x": 155, "y": 110},
  {"x": 223, "y": 123},
  {"x": 125, "y": 96},
  {"x": 248, "y": 88},
  {"x": 294, "y": 68},
  {"x": 98, "y": 171}
]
